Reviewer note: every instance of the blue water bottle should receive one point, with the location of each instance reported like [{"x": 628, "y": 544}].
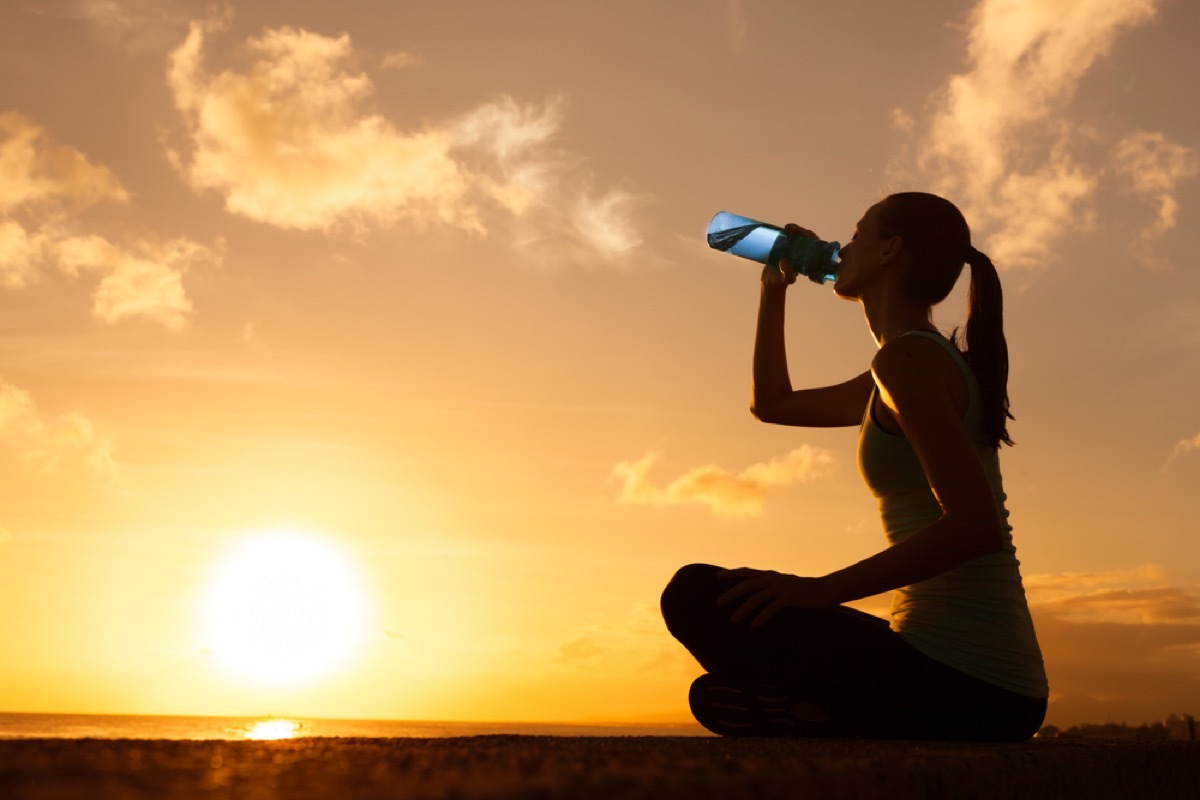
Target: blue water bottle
[{"x": 766, "y": 244}]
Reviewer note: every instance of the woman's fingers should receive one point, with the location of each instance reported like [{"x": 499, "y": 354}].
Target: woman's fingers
[
  {"x": 768, "y": 612},
  {"x": 740, "y": 589},
  {"x": 751, "y": 604},
  {"x": 796, "y": 230}
]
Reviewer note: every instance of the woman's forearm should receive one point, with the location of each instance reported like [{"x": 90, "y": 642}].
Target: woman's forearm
[
  {"x": 929, "y": 552},
  {"x": 771, "y": 380}
]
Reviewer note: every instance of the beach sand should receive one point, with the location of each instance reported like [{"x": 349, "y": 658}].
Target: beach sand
[{"x": 580, "y": 768}]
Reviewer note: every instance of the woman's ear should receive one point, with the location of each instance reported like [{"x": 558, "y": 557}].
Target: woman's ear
[{"x": 892, "y": 248}]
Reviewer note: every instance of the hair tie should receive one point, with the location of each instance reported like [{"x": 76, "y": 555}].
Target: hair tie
[{"x": 972, "y": 255}]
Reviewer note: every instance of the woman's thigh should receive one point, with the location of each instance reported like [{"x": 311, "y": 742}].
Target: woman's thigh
[{"x": 813, "y": 643}]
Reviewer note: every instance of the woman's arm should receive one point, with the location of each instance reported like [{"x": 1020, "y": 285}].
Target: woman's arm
[
  {"x": 912, "y": 381},
  {"x": 774, "y": 400}
]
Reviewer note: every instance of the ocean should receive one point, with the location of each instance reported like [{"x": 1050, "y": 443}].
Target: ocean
[{"x": 103, "y": 726}]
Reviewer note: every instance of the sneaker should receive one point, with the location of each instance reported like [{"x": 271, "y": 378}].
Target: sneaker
[{"x": 729, "y": 707}]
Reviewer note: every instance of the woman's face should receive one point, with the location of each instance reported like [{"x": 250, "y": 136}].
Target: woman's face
[{"x": 861, "y": 256}]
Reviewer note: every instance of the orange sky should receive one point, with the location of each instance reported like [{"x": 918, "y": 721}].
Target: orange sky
[{"x": 427, "y": 282}]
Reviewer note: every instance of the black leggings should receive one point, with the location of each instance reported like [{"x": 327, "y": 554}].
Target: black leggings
[{"x": 852, "y": 665}]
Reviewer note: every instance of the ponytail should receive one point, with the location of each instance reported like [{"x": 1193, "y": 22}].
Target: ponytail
[{"x": 986, "y": 348}]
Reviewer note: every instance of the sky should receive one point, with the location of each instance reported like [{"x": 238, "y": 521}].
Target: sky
[{"x": 413, "y": 301}]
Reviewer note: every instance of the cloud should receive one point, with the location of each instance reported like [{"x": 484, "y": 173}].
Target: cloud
[
  {"x": 46, "y": 441},
  {"x": 401, "y": 60},
  {"x": 287, "y": 142},
  {"x": 1154, "y": 166},
  {"x": 994, "y": 144},
  {"x": 134, "y": 25},
  {"x": 146, "y": 282},
  {"x": 725, "y": 493},
  {"x": 295, "y": 140},
  {"x": 43, "y": 188},
  {"x": 35, "y": 171},
  {"x": 1185, "y": 446},
  {"x": 1123, "y": 643},
  {"x": 20, "y": 253}
]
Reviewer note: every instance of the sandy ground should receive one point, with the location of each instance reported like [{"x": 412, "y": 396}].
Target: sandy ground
[{"x": 580, "y": 768}]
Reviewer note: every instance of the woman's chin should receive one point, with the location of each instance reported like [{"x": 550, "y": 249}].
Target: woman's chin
[{"x": 844, "y": 290}]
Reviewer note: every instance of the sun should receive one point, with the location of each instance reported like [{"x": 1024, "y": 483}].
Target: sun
[{"x": 284, "y": 609}]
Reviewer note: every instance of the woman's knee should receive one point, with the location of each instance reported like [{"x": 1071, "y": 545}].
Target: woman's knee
[{"x": 689, "y": 594}]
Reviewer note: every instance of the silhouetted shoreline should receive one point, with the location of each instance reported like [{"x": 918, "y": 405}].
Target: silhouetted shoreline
[{"x": 580, "y": 768}]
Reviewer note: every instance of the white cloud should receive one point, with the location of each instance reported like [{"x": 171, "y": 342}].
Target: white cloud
[
  {"x": 993, "y": 144},
  {"x": 146, "y": 282},
  {"x": 134, "y": 25},
  {"x": 514, "y": 140},
  {"x": 1155, "y": 165},
  {"x": 1184, "y": 446},
  {"x": 46, "y": 441},
  {"x": 295, "y": 140},
  {"x": 41, "y": 183},
  {"x": 725, "y": 493},
  {"x": 288, "y": 142},
  {"x": 35, "y": 171},
  {"x": 401, "y": 60},
  {"x": 605, "y": 222},
  {"x": 20, "y": 253}
]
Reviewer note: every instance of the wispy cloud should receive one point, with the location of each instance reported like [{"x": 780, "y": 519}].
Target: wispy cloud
[
  {"x": 996, "y": 142},
  {"x": 401, "y": 60},
  {"x": 1184, "y": 446},
  {"x": 145, "y": 282},
  {"x": 45, "y": 441},
  {"x": 36, "y": 172},
  {"x": 1154, "y": 166},
  {"x": 133, "y": 25},
  {"x": 43, "y": 188},
  {"x": 296, "y": 140},
  {"x": 726, "y": 493}
]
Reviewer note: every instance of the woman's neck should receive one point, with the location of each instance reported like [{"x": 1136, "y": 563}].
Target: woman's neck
[{"x": 889, "y": 318}]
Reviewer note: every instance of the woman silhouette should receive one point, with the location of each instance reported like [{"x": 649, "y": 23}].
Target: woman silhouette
[{"x": 960, "y": 659}]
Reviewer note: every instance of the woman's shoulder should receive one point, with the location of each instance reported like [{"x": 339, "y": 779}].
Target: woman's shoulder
[
  {"x": 919, "y": 364},
  {"x": 902, "y": 355}
]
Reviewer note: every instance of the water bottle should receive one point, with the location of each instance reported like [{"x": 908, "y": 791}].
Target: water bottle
[{"x": 766, "y": 244}]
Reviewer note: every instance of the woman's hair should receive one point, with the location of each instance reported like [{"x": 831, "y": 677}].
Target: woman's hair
[{"x": 937, "y": 236}]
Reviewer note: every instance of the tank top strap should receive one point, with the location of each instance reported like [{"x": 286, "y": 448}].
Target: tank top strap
[{"x": 956, "y": 354}]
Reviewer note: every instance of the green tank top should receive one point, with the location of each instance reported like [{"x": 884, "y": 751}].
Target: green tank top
[{"x": 974, "y": 617}]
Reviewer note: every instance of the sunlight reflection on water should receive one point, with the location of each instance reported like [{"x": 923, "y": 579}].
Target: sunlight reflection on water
[{"x": 272, "y": 729}]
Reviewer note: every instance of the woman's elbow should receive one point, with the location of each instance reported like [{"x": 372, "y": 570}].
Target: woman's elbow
[
  {"x": 978, "y": 534},
  {"x": 989, "y": 535},
  {"x": 761, "y": 412}
]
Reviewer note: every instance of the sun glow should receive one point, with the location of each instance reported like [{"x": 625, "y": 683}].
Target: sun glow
[
  {"x": 284, "y": 609},
  {"x": 272, "y": 730}
]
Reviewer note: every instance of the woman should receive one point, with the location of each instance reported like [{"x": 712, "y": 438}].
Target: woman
[{"x": 960, "y": 659}]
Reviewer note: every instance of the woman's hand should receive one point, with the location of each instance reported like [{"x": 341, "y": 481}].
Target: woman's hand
[
  {"x": 767, "y": 592},
  {"x": 784, "y": 275}
]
